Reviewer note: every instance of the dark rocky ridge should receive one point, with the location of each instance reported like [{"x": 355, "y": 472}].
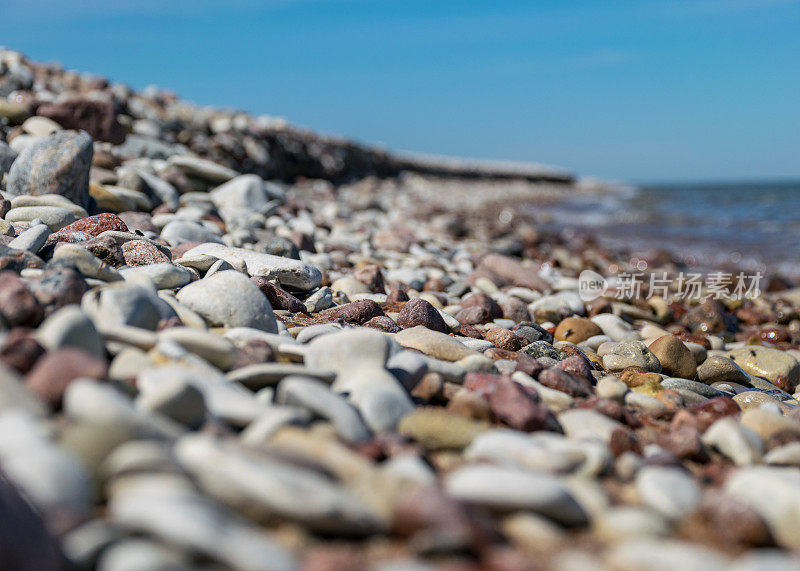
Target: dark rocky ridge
[{"x": 267, "y": 147}]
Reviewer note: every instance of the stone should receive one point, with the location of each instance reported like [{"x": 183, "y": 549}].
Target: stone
[
  {"x": 96, "y": 225},
  {"x": 289, "y": 273},
  {"x": 735, "y": 441},
  {"x": 626, "y": 522},
  {"x": 53, "y": 373},
  {"x": 504, "y": 339},
  {"x": 142, "y": 253},
  {"x": 26, "y": 544},
  {"x": 633, "y": 353},
  {"x": 95, "y": 117},
  {"x": 54, "y": 217},
  {"x": 56, "y": 164},
  {"x": 507, "y": 489},
  {"x": 278, "y": 297},
  {"x": 703, "y": 389},
  {"x": 614, "y": 326},
  {"x": 584, "y": 423},
  {"x": 778, "y": 367},
  {"x": 311, "y": 394},
  {"x": 566, "y": 382},
  {"x": 433, "y": 343},
  {"x": 514, "y": 272},
  {"x": 357, "y": 312},
  {"x": 436, "y": 429},
  {"x": 165, "y": 275},
  {"x": 180, "y": 231},
  {"x": 126, "y": 304},
  {"x": 767, "y": 423},
  {"x": 203, "y": 169},
  {"x": 32, "y": 239},
  {"x": 576, "y": 330},
  {"x": 177, "y": 400},
  {"x": 18, "y": 305},
  {"x": 229, "y": 299},
  {"x": 539, "y": 349},
  {"x": 416, "y": 312},
  {"x": 716, "y": 369},
  {"x": 71, "y": 327},
  {"x": 359, "y": 356},
  {"x": 660, "y": 554},
  {"x": 774, "y": 493},
  {"x": 265, "y": 487},
  {"x": 676, "y": 360},
  {"x": 217, "y": 350},
  {"x": 85, "y": 262},
  {"x": 173, "y": 510},
  {"x": 670, "y": 491}
]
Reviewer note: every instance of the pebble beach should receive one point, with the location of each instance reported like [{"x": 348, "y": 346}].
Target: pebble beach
[{"x": 227, "y": 343}]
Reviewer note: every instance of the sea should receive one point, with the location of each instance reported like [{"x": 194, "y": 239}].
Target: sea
[{"x": 748, "y": 225}]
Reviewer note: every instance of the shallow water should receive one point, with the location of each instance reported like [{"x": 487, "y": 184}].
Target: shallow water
[{"x": 752, "y": 225}]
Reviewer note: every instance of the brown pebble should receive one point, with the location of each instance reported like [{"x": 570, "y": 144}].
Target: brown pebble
[
  {"x": 420, "y": 312},
  {"x": 358, "y": 312},
  {"x": 18, "y": 305},
  {"x": 576, "y": 330},
  {"x": 566, "y": 382},
  {"x": 372, "y": 277},
  {"x": 383, "y": 323},
  {"x": 504, "y": 339},
  {"x": 53, "y": 373},
  {"x": 20, "y": 350},
  {"x": 278, "y": 297}
]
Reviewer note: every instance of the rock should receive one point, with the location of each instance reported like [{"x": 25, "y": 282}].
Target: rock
[
  {"x": 171, "y": 509},
  {"x": 436, "y": 429},
  {"x": 778, "y": 367},
  {"x": 618, "y": 524},
  {"x": 319, "y": 300},
  {"x": 717, "y": 369},
  {"x": 433, "y": 343},
  {"x": 663, "y": 555},
  {"x": 56, "y": 164},
  {"x": 287, "y": 272},
  {"x": 31, "y": 239},
  {"x": 358, "y": 312},
  {"x": 26, "y": 545},
  {"x": 71, "y": 327},
  {"x": 95, "y": 117},
  {"x": 85, "y": 262},
  {"x": 703, "y": 389},
  {"x": 203, "y": 169},
  {"x": 767, "y": 423},
  {"x": 539, "y": 349},
  {"x": 18, "y": 305},
  {"x": 126, "y": 304},
  {"x": 179, "y": 232},
  {"x": 53, "y": 373},
  {"x": 735, "y": 441},
  {"x": 774, "y": 493},
  {"x": 177, "y": 400},
  {"x": 676, "y": 360},
  {"x": 278, "y": 297},
  {"x": 96, "y": 225},
  {"x": 566, "y": 382},
  {"x": 419, "y": 312},
  {"x": 7, "y": 157},
  {"x": 165, "y": 275},
  {"x": 504, "y": 339},
  {"x": 633, "y": 353},
  {"x": 288, "y": 491},
  {"x": 217, "y": 350},
  {"x": 507, "y": 489},
  {"x": 54, "y": 217},
  {"x": 614, "y": 326},
  {"x": 576, "y": 330},
  {"x": 359, "y": 358},
  {"x": 512, "y": 271},
  {"x": 229, "y": 299},
  {"x": 142, "y": 253},
  {"x": 315, "y": 396},
  {"x": 670, "y": 491},
  {"x": 584, "y": 423}
]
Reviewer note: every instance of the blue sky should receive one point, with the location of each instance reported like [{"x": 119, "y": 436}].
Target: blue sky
[{"x": 629, "y": 90}]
